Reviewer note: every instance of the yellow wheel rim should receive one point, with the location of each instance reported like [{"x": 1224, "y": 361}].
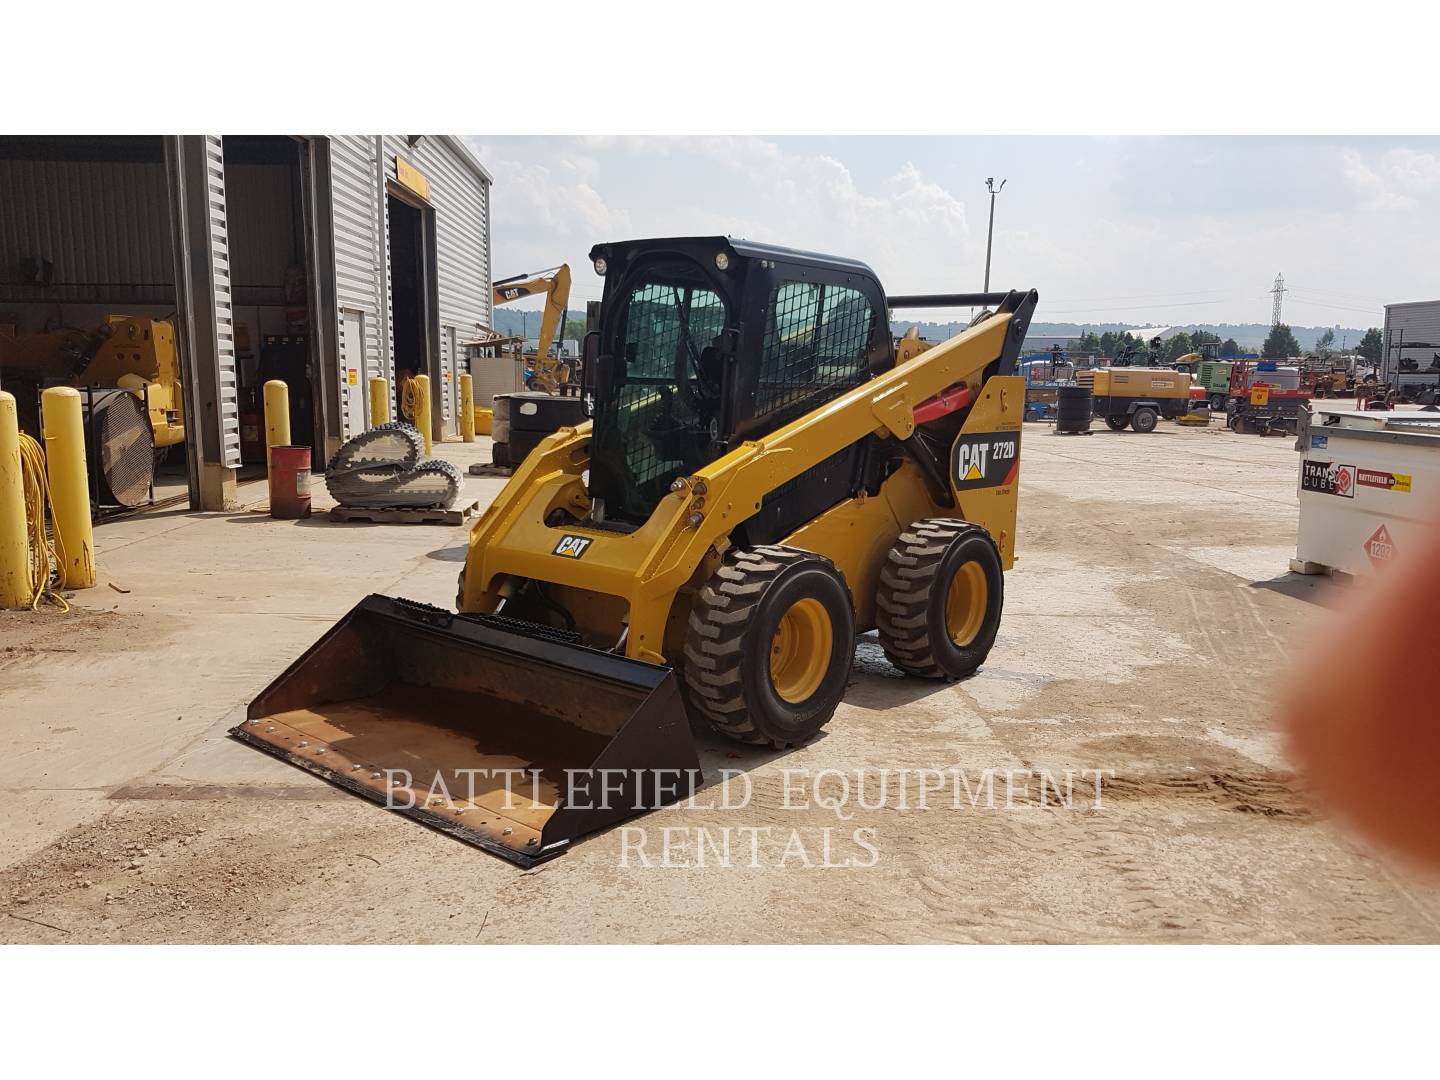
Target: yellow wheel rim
[
  {"x": 800, "y": 651},
  {"x": 965, "y": 603}
]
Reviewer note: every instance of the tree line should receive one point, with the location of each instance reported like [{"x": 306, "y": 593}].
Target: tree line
[
  {"x": 1280, "y": 344},
  {"x": 1119, "y": 342}
]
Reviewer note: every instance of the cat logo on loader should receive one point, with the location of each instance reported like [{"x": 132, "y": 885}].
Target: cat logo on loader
[
  {"x": 971, "y": 461},
  {"x": 572, "y": 547}
]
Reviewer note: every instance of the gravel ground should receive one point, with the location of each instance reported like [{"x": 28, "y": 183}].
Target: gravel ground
[{"x": 1110, "y": 775}]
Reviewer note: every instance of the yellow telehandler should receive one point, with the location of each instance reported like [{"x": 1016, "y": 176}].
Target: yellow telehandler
[{"x": 759, "y": 482}]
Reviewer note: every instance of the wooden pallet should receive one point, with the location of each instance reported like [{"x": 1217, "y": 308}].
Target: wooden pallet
[
  {"x": 404, "y": 515},
  {"x": 485, "y": 468}
]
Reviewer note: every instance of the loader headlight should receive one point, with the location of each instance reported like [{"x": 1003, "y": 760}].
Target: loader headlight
[
  {"x": 722, "y": 261},
  {"x": 600, "y": 267}
]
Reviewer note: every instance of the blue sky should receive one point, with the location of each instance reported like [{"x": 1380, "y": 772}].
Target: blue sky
[{"x": 1146, "y": 229}]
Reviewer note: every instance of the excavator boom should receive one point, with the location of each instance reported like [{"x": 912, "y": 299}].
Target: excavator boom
[{"x": 554, "y": 284}]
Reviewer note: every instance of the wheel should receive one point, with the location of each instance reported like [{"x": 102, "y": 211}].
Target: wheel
[
  {"x": 939, "y": 601},
  {"x": 1143, "y": 420},
  {"x": 1117, "y": 423},
  {"x": 1217, "y": 402},
  {"x": 769, "y": 645}
]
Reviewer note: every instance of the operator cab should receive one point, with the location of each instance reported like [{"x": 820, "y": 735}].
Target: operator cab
[{"x": 706, "y": 342}]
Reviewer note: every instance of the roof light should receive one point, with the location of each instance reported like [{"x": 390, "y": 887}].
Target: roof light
[
  {"x": 600, "y": 267},
  {"x": 722, "y": 261}
]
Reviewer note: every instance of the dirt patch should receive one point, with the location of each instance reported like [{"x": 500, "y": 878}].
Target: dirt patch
[
  {"x": 192, "y": 872},
  {"x": 1271, "y": 792},
  {"x": 79, "y": 630}
]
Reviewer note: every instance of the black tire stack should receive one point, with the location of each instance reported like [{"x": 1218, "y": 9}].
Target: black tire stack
[
  {"x": 521, "y": 420},
  {"x": 1073, "y": 409}
]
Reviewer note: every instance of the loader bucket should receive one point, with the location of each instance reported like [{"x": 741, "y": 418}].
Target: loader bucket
[{"x": 503, "y": 734}]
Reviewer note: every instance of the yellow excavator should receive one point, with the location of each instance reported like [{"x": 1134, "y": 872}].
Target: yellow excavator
[
  {"x": 760, "y": 480},
  {"x": 548, "y": 373}
]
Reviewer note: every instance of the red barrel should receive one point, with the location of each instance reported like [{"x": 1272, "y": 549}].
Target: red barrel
[{"x": 289, "y": 481}]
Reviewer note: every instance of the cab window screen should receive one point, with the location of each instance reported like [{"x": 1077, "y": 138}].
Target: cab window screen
[
  {"x": 816, "y": 340},
  {"x": 658, "y": 423}
]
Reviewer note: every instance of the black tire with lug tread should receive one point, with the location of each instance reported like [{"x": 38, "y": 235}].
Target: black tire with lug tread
[
  {"x": 1117, "y": 423},
  {"x": 941, "y": 593},
  {"x": 769, "y": 645},
  {"x": 1217, "y": 402},
  {"x": 1143, "y": 421}
]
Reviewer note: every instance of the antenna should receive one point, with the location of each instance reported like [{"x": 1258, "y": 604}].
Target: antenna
[{"x": 1279, "y": 292}]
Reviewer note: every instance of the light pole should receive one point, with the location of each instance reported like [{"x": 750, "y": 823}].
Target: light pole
[{"x": 990, "y": 234}]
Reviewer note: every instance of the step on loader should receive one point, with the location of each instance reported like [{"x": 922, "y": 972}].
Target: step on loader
[{"x": 763, "y": 477}]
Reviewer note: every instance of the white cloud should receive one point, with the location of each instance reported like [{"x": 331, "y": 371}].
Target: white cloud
[
  {"x": 908, "y": 226},
  {"x": 1163, "y": 231},
  {"x": 1373, "y": 185},
  {"x": 1412, "y": 169}
]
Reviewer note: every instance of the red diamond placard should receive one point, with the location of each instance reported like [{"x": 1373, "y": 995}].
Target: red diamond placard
[{"x": 1380, "y": 547}]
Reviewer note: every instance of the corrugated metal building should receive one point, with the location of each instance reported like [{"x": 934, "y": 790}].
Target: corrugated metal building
[
  {"x": 323, "y": 260},
  {"x": 1412, "y": 345}
]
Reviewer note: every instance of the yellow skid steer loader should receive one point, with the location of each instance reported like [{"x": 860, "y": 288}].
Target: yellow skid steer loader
[{"x": 760, "y": 481}]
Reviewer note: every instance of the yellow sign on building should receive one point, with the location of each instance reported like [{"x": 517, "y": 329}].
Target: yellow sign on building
[{"x": 411, "y": 177}]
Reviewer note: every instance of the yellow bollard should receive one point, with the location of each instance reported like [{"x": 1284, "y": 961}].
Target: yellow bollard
[
  {"x": 14, "y": 539},
  {"x": 69, "y": 484},
  {"x": 277, "y": 418},
  {"x": 467, "y": 407},
  {"x": 422, "y": 407},
  {"x": 379, "y": 402}
]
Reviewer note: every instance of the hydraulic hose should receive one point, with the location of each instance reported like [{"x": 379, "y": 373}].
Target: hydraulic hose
[{"x": 46, "y": 556}]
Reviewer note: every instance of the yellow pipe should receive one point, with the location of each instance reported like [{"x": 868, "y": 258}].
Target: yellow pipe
[
  {"x": 422, "y": 407},
  {"x": 277, "y": 418},
  {"x": 467, "y": 407},
  {"x": 69, "y": 484},
  {"x": 14, "y": 541},
  {"x": 379, "y": 401}
]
